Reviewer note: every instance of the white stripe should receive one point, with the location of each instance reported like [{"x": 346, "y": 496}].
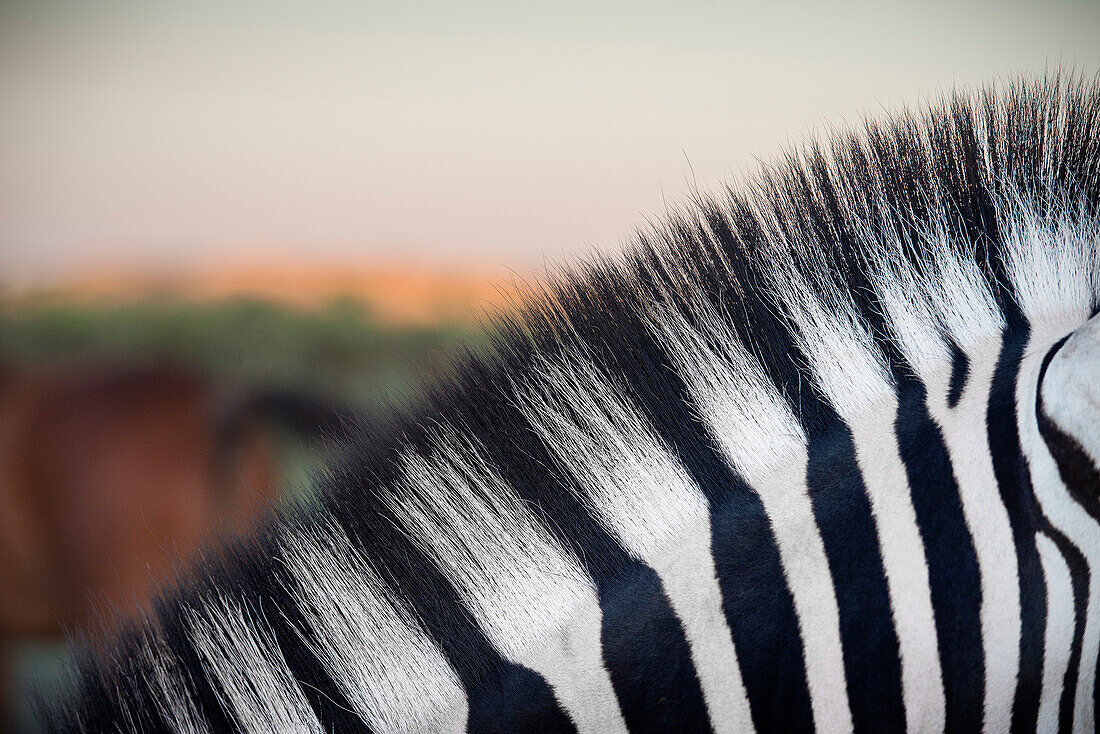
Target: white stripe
[
  {"x": 252, "y": 678},
  {"x": 1066, "y": 515},
  {"x": 535, "y": 602},
  {"x": 1059, "y": 632},
  {"x": 967, "y": 440},
  {"x": 966, "y": 307},
  {"x": 691, "y": 582},
  {"x": 642, "y": 493},
  {"x": 763, "y": 440},
  {"x": 916, "y": 310},
  {"x": 1051, "y": 263},
  {"x": 903, "y": 557},
  {"x": 1071, "y": 389},
  {"x": 1071, "y": 397},
  {"x": 170, "y": 685},
  {"x": 371, "y": 645},
  {"x": 852, "y": 373}
]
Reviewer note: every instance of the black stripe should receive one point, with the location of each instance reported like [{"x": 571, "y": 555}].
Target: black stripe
[
  {"x": 1014, "y": 481},
  {"x": 838, "y": 497},
  {"x": 758, "y": 604},
  {"x": 106, "y": 697},
  {"x": 952, "y": 562},
  {"x": 177, "y": 637},
  {"x": 503, "y": 696},
  {"x": 960, "y": 370},
  {"x": 840, "y": 504},
  {"x": 1080, "y": 475},
  {"x": 648, "y": 656},
  {"x": 1079, "y": 575},
  {"x": 756, "y": 600},
  {"x": 518, "y": 700},
  {"x": 284, "y": 615},
  {"x": 251, "y": 578},
  {"x": 872, "y": 664},
  {"x": 1096, "y": 691},
  {"x": 644, "y": 646}
]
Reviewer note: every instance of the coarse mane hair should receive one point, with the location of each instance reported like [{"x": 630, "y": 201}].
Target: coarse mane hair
[{"x": 829, "y": 280}]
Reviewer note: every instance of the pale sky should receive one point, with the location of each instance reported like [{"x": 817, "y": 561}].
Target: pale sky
[{"x": 160, "y": 135}]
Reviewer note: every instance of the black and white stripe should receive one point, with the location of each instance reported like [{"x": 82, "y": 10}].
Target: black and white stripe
[{"x": 821, "y": 452}]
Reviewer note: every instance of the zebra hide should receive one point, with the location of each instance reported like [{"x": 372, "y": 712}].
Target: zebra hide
[{"x": 816, "y": 452}]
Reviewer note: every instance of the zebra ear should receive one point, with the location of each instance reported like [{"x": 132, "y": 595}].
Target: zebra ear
[{"x": 1069, "y": 412}]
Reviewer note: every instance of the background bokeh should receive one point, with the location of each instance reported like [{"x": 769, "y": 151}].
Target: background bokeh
[{"x": 231, "y": 229}]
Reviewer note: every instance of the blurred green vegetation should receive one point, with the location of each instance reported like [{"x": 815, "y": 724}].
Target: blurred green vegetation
[{"x": 339, "y": 352}]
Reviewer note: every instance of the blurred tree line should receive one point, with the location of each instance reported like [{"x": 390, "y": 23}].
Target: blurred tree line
[
  {"x": 340, "y": 352},
  {"x": 303, "y": 375}
]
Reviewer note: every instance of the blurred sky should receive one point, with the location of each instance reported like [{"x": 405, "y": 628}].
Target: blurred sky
[{"x": 155, "y": 134}]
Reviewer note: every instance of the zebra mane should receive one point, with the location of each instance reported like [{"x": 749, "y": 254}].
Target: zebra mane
[{"x": 447, "y": 541}]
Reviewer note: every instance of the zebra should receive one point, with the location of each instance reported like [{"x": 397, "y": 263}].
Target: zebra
[{"x": 817, "y": 452}]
